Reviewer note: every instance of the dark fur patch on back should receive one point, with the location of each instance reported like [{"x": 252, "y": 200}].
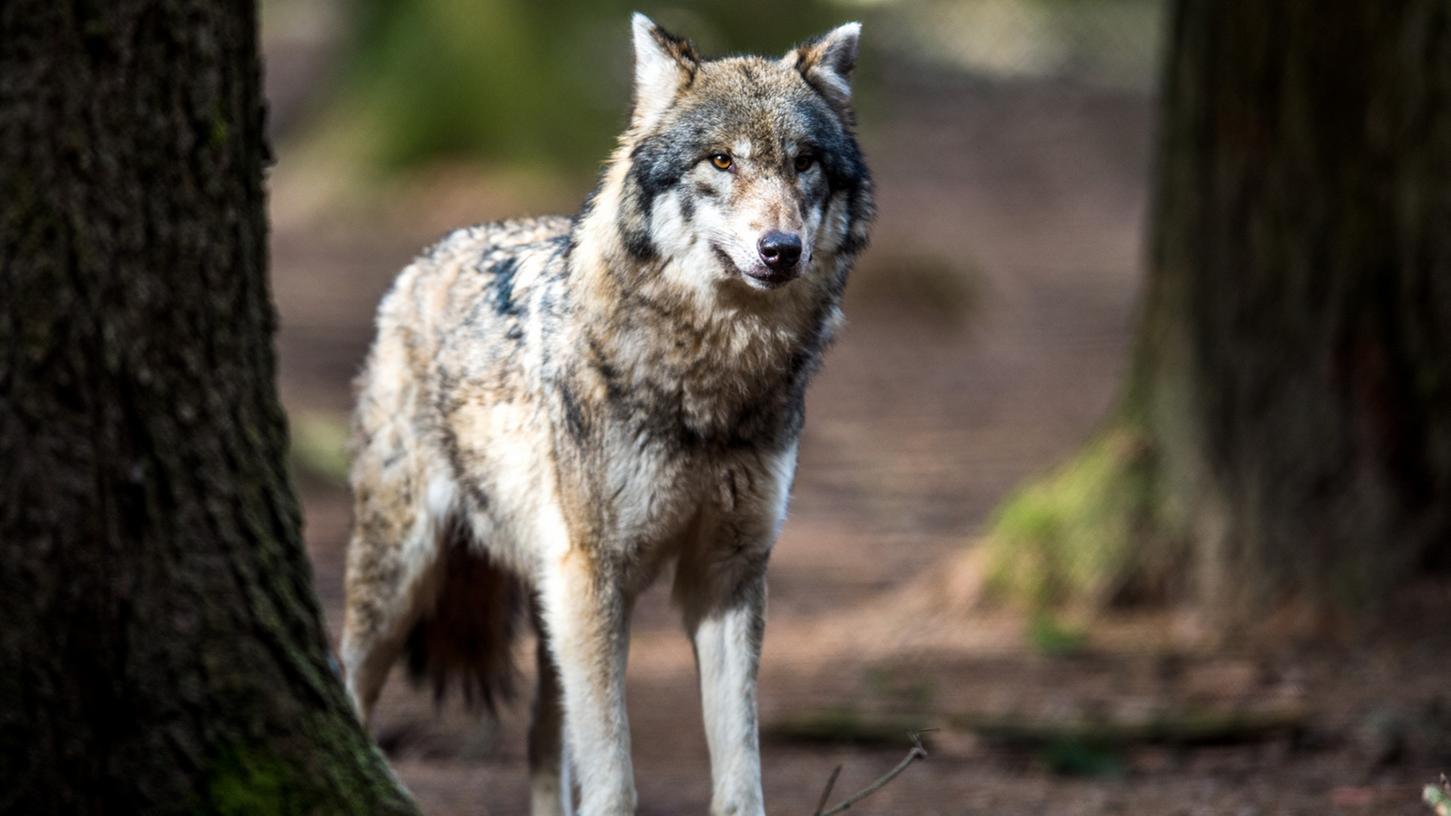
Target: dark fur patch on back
[
  {"x": 501, "y": 287},
  {"x": 468, "y": 636}
]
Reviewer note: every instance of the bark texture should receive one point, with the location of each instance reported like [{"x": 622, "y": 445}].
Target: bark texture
[
  {"x": 162, "y": 649},
  {"x": 1286, "y": 430}
]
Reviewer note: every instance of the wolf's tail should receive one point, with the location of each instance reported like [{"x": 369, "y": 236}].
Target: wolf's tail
[{"x": 468, "y": 636}]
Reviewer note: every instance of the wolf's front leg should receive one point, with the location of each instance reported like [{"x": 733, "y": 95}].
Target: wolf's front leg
[
  {"x": 587, "y": 616},
  {"x": 727, "y": 637}
]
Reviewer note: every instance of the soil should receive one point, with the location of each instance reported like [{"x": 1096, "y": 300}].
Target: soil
[{"x": 989, "y": 326}]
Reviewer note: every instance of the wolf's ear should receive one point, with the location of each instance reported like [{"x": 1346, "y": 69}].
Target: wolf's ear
[
  {"x": 827, "y": 62},
  {"x": 663, "y": 64}
]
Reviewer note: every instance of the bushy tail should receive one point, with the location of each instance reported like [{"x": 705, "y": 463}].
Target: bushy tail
[{"x": 468, "y": 636}]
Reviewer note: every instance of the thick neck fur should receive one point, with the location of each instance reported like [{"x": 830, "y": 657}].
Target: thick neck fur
[{"x": 730, "y": 364}]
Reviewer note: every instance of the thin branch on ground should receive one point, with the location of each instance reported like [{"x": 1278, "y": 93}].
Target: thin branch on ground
[
  {"x": 917, "y": 752},
  {"x": 826, "y": 792}
]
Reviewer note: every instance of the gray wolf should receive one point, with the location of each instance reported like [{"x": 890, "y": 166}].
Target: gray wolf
[{"x": 554, "y": 409}]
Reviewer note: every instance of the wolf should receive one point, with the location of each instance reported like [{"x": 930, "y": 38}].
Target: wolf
[{"x": 554, "y": 409}]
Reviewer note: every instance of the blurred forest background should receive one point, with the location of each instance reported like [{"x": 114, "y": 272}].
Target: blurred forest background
[{"x": 943, "y": 567}]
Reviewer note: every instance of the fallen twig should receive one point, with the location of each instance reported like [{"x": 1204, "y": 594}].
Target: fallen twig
[
  {"x": 917, "y": 752},
  {"x": 826, "y": 792}
]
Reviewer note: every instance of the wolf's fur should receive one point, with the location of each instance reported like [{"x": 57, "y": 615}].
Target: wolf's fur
[{"x": 554, "y": 409}]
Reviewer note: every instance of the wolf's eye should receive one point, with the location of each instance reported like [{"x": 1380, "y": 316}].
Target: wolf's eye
[
  {"x": 721, "y": 161},
  {"x": 804, "y": 162}
]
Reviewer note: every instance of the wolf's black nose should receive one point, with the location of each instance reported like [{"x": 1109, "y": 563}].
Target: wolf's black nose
[{"x": 779, "y": 250}]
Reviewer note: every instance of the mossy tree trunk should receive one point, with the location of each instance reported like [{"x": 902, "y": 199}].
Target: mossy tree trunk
[
  {"x": 1286, "y": 428},
  {"x": 161, "y": 649}
]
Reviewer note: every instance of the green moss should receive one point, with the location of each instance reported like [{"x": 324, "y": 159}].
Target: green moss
[
  {"x": 251, "y": 781},
  {"x": 326, "y": 766},
  {"x": 1087, "y": 533},
  {"x": 219, "y": 131}
]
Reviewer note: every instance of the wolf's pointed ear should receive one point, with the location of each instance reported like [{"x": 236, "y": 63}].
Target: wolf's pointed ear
[
  {"x": 663, "y": 64},
  {"x": 827, "y": 62}
]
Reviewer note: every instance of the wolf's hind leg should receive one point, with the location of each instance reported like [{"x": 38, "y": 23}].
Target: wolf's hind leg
[
  {"x": 549, "y": 793},
  {"x": 391, "y": 575}
]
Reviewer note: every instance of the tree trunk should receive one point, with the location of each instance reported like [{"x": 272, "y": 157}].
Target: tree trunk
[
  {"x": 1286, "y": 428},
  {"x": 162, "y": 649}
]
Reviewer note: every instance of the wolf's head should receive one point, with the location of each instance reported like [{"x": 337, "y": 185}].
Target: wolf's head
[{"x": 742, "y": 173}]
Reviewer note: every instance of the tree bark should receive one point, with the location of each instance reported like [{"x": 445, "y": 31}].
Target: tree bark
[
  {"x": 1286, "y": 428},
  {"x": 162, "y": 649}
]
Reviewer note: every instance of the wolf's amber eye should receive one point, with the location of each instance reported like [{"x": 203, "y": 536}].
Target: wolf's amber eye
[
  {"x": 721, "y": 161},
  {"x": 804, "y": 162}
]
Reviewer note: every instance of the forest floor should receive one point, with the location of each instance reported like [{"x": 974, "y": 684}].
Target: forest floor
[{"x": 988, "y": 329}]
